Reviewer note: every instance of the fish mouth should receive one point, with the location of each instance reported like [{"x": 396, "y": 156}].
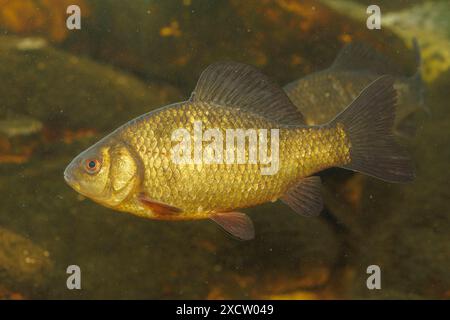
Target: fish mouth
[{"x": 68, "y": 177}]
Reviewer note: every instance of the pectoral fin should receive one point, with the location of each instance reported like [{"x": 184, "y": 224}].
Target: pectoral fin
[
  {"x": 158, "y": 208},
  {"x": 305, "y": 197},
  {"x": 236, "y": 223}
]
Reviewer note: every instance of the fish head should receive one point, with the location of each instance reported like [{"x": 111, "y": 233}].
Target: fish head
[{"x": 107, "y": 172}]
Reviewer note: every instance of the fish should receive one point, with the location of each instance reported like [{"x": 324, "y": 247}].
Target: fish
[
  {"x": 323, "y": 94},
  {"x": 427, "y": 21},
  {"x": 133, "y": 169}
]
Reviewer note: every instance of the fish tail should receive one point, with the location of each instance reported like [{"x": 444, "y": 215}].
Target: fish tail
[
  {"x": 416, "y": 81},
  {"x": 368, "y": 123}
]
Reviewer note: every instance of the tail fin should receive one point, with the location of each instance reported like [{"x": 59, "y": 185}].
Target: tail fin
[
  {"x": 416, "y": 81},
  {"x": 369, "y": 121}
]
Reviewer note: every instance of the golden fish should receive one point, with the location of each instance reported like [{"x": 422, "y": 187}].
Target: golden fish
[
  {"x": 135, "y": 168},
  {"x": 323, "y": 94}
]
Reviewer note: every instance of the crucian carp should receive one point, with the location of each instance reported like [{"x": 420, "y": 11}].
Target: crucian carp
[{"x": 133, "y": 168}]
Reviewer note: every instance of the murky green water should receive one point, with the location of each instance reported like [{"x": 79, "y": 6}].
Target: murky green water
[{"x": 64, "y": 89}]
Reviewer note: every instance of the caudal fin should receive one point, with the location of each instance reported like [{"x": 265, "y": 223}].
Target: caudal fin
[{"x": 369, "y": 121}]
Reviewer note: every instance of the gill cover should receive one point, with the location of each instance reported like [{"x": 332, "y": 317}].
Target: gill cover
[{"x": 123, "y": 175}]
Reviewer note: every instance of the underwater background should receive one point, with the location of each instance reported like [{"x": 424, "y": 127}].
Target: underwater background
[{"x": 62, "y": 90}]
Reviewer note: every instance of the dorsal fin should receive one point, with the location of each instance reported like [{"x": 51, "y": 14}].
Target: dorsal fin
[
  {"x": 359, "y": 56},
  {"x": 237, "y": 85}
]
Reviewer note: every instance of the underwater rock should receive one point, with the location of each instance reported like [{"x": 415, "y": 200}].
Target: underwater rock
[
  {"x": 176, "y": 40},
  {"x": 16, "y": 145},
  {"x": 64, "y": 91},
  {"x": 21, "y": 261},
  {"x": 18, "y": 125}
]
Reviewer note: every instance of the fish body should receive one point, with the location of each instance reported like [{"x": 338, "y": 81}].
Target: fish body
[
  {"x": 198, "y": 189},
  {"x": 322, "y": 95},
  {"x": 178, "y": 162}
]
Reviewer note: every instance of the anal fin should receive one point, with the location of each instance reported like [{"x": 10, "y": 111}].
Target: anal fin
[
  {"x": 236, "y": 223},
  {"x": 305, "y": 197}
]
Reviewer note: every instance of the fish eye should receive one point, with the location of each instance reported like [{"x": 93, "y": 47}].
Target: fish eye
[{"x": 92, "y": 166}]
